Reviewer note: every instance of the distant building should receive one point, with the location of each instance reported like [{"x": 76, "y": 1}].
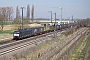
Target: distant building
[{"x": 57, "y": 20}]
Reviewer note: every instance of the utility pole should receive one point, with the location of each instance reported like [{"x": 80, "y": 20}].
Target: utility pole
[
  {"x": 51, "y": 16},
  {"x": 61, "y": 15},
  {"x": 72, "y": 17},
  {"x": 55, "y": 18},
  {"x": 55, "y": 26},
  {"x": 22, "y": 16}
]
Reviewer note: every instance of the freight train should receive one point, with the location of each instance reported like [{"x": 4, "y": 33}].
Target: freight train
[{"x": 24, "y": 33}]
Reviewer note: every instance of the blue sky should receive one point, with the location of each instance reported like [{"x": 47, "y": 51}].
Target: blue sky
[{"x": 77, "y": 8}]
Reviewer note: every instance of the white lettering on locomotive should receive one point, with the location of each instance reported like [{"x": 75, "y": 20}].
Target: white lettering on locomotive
[
  {"x": 16, "y": 34},
  {"x": 35, "y": 30}
]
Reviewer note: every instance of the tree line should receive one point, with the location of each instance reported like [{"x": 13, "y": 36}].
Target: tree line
[
  {"x": 85, "y": 22},
  {"x": 7, "y": 14}
]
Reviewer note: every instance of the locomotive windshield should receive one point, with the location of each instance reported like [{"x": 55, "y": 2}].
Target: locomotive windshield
[{"x": 16, "y": 32}]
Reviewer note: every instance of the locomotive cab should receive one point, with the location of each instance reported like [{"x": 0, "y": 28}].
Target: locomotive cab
[{"x": 16, "y": 35}]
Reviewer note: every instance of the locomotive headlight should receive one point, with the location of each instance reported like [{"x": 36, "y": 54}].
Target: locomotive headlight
[{"x": 16, "y": 34}]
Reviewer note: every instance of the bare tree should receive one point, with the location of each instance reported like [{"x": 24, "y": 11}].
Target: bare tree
[
  {"x": 32, "y": 13},
  {"x": 2, "y": 16},
  {"x": 2, "y": 21},
  {"x": 3, "y": 12},
  {"x": 9, "y": 12},
  {"x": 85, "y": 22},
  {"x": 17, "y": 19},
  {"x": 28, "y": 13}
]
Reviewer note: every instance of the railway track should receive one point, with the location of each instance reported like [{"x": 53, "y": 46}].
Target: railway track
[
  {"x": 61, "y": 47},
  {"x": 11, "y": 43},
  {"x": 68, "y": 49},
  {"x": 13, "y": 46}
]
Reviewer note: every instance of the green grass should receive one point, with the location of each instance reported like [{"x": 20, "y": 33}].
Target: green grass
[
  {"x": 6, "y": 32},
  {"x": 78, "y": 49}
]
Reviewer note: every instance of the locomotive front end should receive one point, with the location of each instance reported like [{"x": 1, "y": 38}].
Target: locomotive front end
[{"x": 16, "y": 35}]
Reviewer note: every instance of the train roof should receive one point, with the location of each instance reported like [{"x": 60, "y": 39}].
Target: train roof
[{"x": 26, "y": 29}]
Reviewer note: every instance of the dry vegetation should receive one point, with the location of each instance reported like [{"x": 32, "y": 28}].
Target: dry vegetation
[
  {"x": 13, "y": 27},
  {"x": 37, "y": 51},
  {"x": 5, "y": 37},
  {"x": 85, "y": 22}
]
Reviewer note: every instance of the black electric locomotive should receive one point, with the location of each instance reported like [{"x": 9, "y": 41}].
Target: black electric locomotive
[{"x": 20, "y": 34}]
